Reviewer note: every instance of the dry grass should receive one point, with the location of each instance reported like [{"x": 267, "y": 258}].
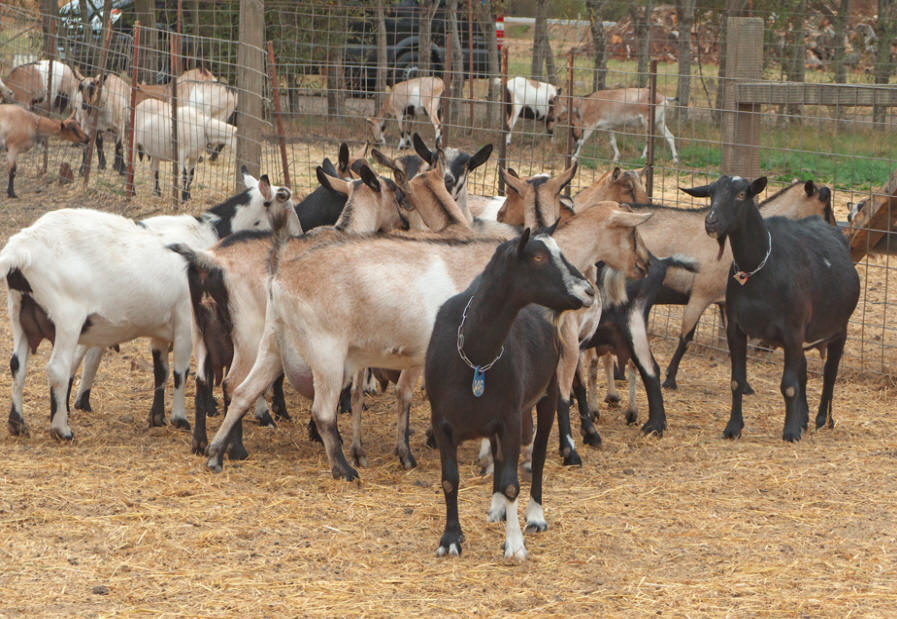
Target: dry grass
[{"x": 125, "y": 521}]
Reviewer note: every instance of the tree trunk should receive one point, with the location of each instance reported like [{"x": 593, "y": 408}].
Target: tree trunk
[
  {"x": 149, "y": 41},
  {"x": 485, "y": 16},
  {"x": 885, "y": 29},
  {"x": 641, "y": 21},
  {"x": 796, "y": 63},
  {"x": 426, "y": 13},
  {"x": 540, "y": 41},
  {"x": 599, "y": 43},
  {"x": 685, "y": 11},
  {"x": 734, "y": 8},
  {"x": 382, "y": 58},
  {"x": 840, "y": 27},
  {"x": 458, "y": 69},
  {"x": 336, "y": 94}
]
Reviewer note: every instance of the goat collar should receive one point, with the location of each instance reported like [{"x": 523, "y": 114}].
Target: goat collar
[
  {"x": 740, "y": 276},
  {"x": 479, "y": 379}
]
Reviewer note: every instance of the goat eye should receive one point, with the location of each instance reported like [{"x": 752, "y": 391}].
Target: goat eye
[
  {"x": 740, "y": 196},
  {"x": 257, "y": 222},
  {"x": 539, "y": 258}
]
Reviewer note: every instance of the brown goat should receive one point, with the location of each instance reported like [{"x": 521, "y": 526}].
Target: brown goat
[
  {"x": 27, "y": 85},
  {"x": 536, "y": 199},
  {"x": 20, "y": 129},
  {"x": 616, "y": 185}
]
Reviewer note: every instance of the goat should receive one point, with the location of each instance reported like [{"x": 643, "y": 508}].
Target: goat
[
  {"x": 623, "y": 332},
  {"x": 678, "y": 231},
  {"x": 215, "y": 100},
  {"x": 185, "y": 82},
  {"x": 614, "y": 109},
  {"x": 531, "y": 99},
  {"x": 231, "y": 276},
  {"x": 80, "y": 276},
  {"x": 21, "y": 129},
  {"x": 527, "y": 198},
  {"x": 152, "y": 136},
  {"x": 420, "y": 95},
  {"x": 491, "y": 323},
  {"x": 400, "y": 282},
  {"x": 112, "y": 115},
  {"x": 792, "y": 284},
  {"x": 27, "y": 85},
  {"x": 6, "y": 92},
  {"x": 245, "y": 211}
]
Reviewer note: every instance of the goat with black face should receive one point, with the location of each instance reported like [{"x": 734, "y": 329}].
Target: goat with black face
[
  {"x": 489, "y": 360},
  {"x": 792, "y": 284}
]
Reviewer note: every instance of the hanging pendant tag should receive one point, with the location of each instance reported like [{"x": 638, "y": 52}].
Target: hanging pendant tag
[
  {"x": 479, "y": 382},
  {"x": 741, "y": 277}
]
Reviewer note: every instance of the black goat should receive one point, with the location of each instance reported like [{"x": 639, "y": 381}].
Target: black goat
[
  {"x": 791, "y": 284},
  {"x": 623, "y": 331},
  {"x": 518, "y": 347}
]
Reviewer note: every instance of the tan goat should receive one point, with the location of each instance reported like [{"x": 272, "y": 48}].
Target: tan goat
[
  {"x": 420, "y": 95},
  {"x": 614, "y": 109},
  {"x": 27, "y": 85},
  {"x": 20, "y": 130}
]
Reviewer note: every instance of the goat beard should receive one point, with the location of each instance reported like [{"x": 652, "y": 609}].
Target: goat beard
[{"x": 722, "y": 246}]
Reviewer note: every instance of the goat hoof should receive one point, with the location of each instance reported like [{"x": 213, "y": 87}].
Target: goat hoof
[
  {"x": 450, "y": 544},
  {"x": 214, "y": 463},
  {"x": 358, "y": 457},
  {"x": 594, "y": 414},
  {"x": 431, "y": 439},
  {"x": 536, "y": 527},
  {"x": 180, "y": 423},
  {"x": 82, "y": 403},
  {"x": 17, "y": 427},
  {"x": 266, "y": 420},
  {"x": 631, "y": 417},
  {"x": 822, "y": 420},
  {"x": 651, "y": 427},
  {"x": 592, "y": 438},
  {"x": 313, "y": 434},
  {"x": 612, "y": 400},
  {"x": 748, "y": 390},
  {"x": 517, "y": 554},
  {"x": 62, "y": 435},
  {"x": 237, "y": 452},
  {"x": 281, "y": 414},
  {"x": 732, "y": 432},
  {"x": 157, "y": 420},
  {"x": 670, "y": 383},
  {"x": 487, "y": 469},
  {"x": 11, "y": 194},
  {"x": 572, "y": 459},
  {"x": 346, "y": 472},
  {"x": 198, "y": 446},
  {"x": 408, "y": 461},
  {"x": 792, "y": 436}
]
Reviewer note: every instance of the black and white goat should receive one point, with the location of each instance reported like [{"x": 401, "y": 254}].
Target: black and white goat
[
  {"x": 791, "y": 284},
  {"x": 491, "y": 358},
  {"x": 83, "y": 277}
]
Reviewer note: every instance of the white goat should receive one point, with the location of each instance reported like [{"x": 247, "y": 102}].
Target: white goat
[
  {"x": 421, "y": 95},
  {"x": 530, "y": 99},
  {"x": 112, "y": 116},
  {"x": 152, "y": 135},
  {"x": 27, "y": 85},
  {"x": 80, "y": 276},
  {"x": 614, "y": 109}
]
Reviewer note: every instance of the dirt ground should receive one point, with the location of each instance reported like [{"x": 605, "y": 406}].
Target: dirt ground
[{"x": 125, "y": 520}]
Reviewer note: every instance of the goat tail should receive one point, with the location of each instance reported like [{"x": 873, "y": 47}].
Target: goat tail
[{"x": 681, "y": 261}]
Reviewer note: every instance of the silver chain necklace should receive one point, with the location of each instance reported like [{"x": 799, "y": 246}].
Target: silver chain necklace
[
  {"x": 740, "y": 276},
  {"x": 479, "y": 379}
]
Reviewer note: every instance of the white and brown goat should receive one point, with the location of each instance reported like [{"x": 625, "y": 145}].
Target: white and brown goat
[
  {"x": 531, "y": 99},
  {"x": 21, "y": 129},
  {"x": 610, "y": 110},
  {"x": 27, "y": 85},
  {"x": 421, "y": 95}
]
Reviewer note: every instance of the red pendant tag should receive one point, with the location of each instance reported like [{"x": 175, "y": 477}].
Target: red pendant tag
[{"x": 741, "y": 277}]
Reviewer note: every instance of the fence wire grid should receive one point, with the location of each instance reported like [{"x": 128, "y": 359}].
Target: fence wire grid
[{"x": 811, "y": 99}]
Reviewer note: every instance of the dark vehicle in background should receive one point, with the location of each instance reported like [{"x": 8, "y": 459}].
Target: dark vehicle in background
[{"x": 403, "y": 46}]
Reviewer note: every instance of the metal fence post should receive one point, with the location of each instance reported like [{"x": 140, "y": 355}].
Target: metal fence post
[
  {"x": 132, "y": 111},
  {"x": 503, "y": 134},
  {"x": 652, "y": 105}
]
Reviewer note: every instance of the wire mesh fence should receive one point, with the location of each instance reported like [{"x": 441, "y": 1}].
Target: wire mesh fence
[{"x": 807, "y": 98}]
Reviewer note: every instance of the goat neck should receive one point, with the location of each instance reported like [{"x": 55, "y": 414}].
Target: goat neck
[
  {"x": 749, "y": 238},
  {"x": 489, "y": 317},
  {"x": 434, "y": 204}
]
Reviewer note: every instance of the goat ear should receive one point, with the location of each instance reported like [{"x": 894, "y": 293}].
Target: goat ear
[
  {"x": 698, "y": 192},
  {"x": 383, "y": 159},
  {"x": 421, "y": 149},
  {"x": 564, "y": 178},
  {"x": 550, "y": 229},
  {"x": 264, "y": 188},
  {"x": 370, "y": 179},
  {"x": 521, "y": 243},
  {"x": 621, "y": 219},
  {"x": 810, "y": 188},
  {"x": 343, "y": 159},
  {"x": 332, "y": 183},
  {"x": 758, "y": 185},
  {"x": 328, "y": 168},
  {"x": 643, "y": 172},
  {"x": 514, "y": 183},
  {"x": 616, "y": 173},
  {"x": 568, "y": 204},
  {"x": 513, "y": 172},
  {"x": 249, "y": 181},
  {"x": 479, "y": 158}
]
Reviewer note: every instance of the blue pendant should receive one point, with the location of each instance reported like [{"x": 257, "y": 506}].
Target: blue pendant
[{"x": 479, "y": 382}]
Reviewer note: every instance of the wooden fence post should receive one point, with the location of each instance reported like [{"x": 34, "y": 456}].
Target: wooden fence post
[
  {"x": 132, "y": 111},
  {"x": 275, "y": 95},
  {"x": 250, "y": 84},
  {"x": 571, "y": 59},
  {"x": 741, "y": 121}
]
